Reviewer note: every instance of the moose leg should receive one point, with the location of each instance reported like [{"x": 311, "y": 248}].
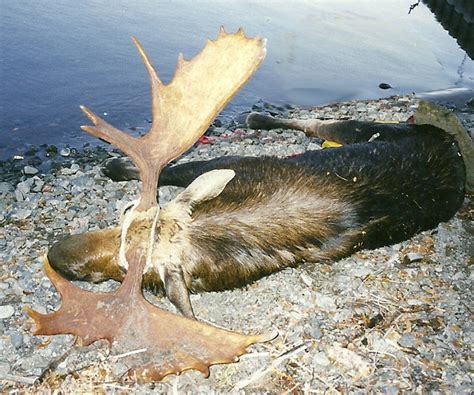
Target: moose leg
[
  {"x": 342, "y": 132},
  {"x": 121, "y": 169}
]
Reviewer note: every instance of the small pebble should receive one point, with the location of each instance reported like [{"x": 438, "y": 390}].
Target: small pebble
[
  {"x": 30, "y": 170},
  {"x": 412, "y": 257},
  {"x": 407, "y": 340},
  {"x": 65, "y": 152},
  {"x": 71, "y": 170},
  {"x": 4, "y": 369},
  {"x": 313, "y": 147},
  {"x": 361, "y": 272},
  {"x": 306, "y": 279},
  {"x": 6, "y": 311},
  {"x": 324, "y": 302},
  {"x": 320, "y": 358},
  {"x": 5, "y": 187},
  {"x": 17, "y": 339},
  {"x": 313, "y": 329},
  {"x": 22, "y": 213}
]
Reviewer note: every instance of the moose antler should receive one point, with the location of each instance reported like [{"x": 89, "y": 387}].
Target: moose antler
[
  {"x": 181, "y": 112},
  {"x": 183, "y": 109},
  {"x": 167, "y": 343}
]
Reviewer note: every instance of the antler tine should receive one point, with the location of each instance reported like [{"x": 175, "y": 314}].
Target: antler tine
[
  {"x": 131, "y": 147},
  {"x": 198, "y": 91},
  {"x": 155, "y": 82},
  {"x": 136, "y": 149},
  {"x": 107, "y": 132}
]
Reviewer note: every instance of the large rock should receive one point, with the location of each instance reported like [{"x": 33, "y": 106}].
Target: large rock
[{"x": 432, "y": 114}]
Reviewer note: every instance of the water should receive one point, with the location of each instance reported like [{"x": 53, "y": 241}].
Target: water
[{"x": 58, "y": 55}]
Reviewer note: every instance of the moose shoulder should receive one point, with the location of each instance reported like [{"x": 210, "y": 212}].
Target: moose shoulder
[{"x": 385, "y": 184}]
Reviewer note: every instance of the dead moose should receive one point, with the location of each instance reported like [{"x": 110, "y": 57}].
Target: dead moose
[
  {"x": 387, "y": 182},
  {"x": 241, "y": 218}
]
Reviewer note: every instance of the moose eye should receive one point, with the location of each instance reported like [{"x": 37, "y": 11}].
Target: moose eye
[{"x": 126, "y": 208}]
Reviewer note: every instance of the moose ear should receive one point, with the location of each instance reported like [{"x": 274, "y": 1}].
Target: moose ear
[{"x": 207, "y": 186}]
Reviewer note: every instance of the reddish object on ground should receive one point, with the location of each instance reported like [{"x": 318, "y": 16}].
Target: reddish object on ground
[{"x": 203, "y": 140}]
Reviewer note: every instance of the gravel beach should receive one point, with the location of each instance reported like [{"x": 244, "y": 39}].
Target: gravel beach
[{"x": 390, "y": 320}]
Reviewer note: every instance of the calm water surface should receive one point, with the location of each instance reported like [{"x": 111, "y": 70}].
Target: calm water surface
[{"x": 56, "y": 55}]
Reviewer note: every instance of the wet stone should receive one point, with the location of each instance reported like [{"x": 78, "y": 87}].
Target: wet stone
[
  {"x": 23, "y": 189},
  {"x": 51, "y": 150},
  {"x": 30, "y": 170},
  {"x": 81, "y": 181},
  {"x": 65, "y": 152},
  {"x": 73, "y": 169},
  {"x": 38, "y": 185}
]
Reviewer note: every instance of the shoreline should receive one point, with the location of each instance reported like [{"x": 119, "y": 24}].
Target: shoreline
[
  {"x": 392, "y": 319},
  {"x": 48, "y": 157},
  {"x": 457, "y": 99}
]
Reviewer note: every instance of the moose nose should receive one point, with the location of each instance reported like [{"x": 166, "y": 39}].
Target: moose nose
[{"x": 87, "y": 256}]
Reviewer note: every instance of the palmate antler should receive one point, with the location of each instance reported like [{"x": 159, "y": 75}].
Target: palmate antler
[
  {"x": 159, "y": 342},
  {"x": 181, "y": 112},
  {"x": 183, "y": 109}
]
